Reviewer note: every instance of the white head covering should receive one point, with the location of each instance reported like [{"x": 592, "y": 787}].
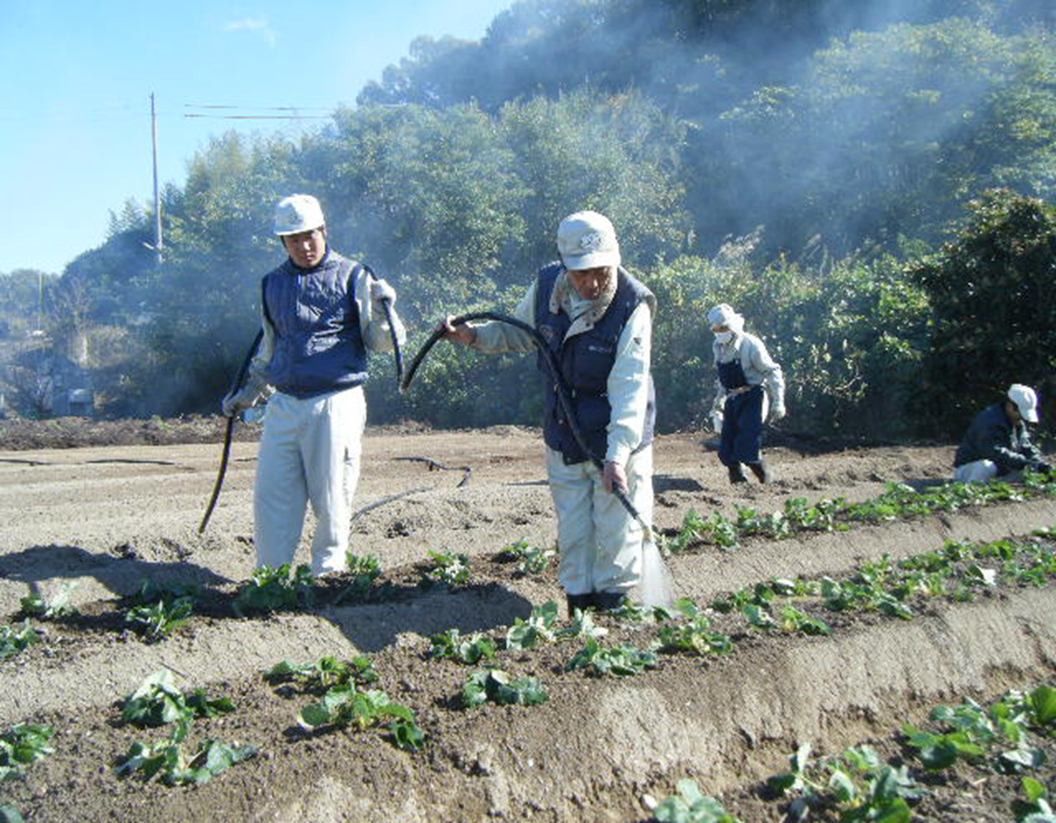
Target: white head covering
[
  {"x": 724, "y": 315},
  {"x": 587, "y": 240},
  {"x": 1026, "y": 401},
  {"x": 298, "y": 213}
]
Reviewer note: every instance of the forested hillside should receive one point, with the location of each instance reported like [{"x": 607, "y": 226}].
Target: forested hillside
[{"x": 871, "y": 183}]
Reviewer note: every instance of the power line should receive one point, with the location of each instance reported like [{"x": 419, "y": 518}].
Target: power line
[
  {"x": 258, "y": 116},
  {"x": 258, "y": 108}
]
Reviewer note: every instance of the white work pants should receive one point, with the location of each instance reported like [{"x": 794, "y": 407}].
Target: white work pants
[
  {"x": 600, "y": 543},
  {"x": 980, "y": 471},
  {"x": 309, "y": 451}
]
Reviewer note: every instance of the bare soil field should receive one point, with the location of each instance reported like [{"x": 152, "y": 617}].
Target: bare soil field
[{"x": 108, "y": 507}]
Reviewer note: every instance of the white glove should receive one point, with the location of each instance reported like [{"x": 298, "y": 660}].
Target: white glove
[
  {"x": 777, "y": 411},
  {"x": 716, "y": 421},
  {"x": 232, "y": 404},
  {"x": 381, "y": 291}
]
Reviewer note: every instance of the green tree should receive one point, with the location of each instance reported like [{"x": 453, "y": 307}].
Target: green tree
[
  {"x": 992, "y": 293},
  {"x": 889, "y": 133}
]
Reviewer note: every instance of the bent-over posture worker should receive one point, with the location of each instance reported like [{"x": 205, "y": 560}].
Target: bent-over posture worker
[
  {"x": 997, "y": 443},
  {"x": 321, "y": 314},
  {"x": 749, "y": 384},
  {"x": 597, "y": 320}
]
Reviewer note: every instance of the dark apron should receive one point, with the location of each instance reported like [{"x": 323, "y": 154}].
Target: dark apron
[{"x": 742, "y": 417}]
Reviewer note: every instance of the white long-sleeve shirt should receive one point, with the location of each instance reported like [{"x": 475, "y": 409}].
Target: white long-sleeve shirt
[
  {"x": 628, "y": 384},
  {"x": 759, "y": 367}
]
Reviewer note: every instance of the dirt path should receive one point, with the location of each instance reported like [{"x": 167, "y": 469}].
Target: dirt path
[{"x": 108, "y": 517}]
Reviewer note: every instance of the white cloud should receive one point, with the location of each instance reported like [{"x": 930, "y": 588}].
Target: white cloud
[{"x": 254, "y": 24}]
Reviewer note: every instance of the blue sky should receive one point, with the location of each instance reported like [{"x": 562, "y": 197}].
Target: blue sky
[{"x": 75, "y": 132}]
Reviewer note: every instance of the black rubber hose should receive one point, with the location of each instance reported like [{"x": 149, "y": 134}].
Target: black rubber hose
[
  {"x": 226, "y": 453},
  {"x": 398, "y": 353},
  {"x": 555, "y": 372}
]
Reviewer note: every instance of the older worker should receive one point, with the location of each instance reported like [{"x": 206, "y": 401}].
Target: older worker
[
  {"x": 321, "y": 314},
  {"x": 597, "y": 320}
]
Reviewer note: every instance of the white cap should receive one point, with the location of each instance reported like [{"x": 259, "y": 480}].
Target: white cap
[
  {"x": 1026, "y": 401},
  {"x": 724, "y": 315},
  {"x": 587, "y": 240},
  {"x": 297, "y": 213}
]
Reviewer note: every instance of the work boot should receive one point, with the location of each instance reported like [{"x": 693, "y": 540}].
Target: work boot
[
  {"x": 737, "y": 474},
  {"x": 579, "y": 601},
  {"x": 761, "y": 470},
  {"x": 609, "y": 601}
]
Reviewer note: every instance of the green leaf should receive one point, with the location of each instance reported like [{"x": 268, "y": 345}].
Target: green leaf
[
  {"x": 1024, "y": 757},
  {"x": 407, "y": 735},
  {"x": 9, "y": 814},
  {"x": 1034, "y": 789},
  {"x": 1043, "y": 704},
  {"x": 842, "y": 786},
  {"x": 314, "y": 716}
]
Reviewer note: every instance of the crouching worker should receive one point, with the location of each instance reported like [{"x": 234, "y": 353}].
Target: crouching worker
[
  {"x": 750, "y": 384},
  {"x": 597, "y": 320},
  {"x": 997, "y": 443},
  {"x": 321, "y": 314}
]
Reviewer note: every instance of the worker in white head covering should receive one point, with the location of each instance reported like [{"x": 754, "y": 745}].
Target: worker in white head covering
[
  {"x": 749, "y": 385},
  {"x": 322, "y": 314},
  {"x": 997, "y": 443},
  {"x": 597, "y": 320}
]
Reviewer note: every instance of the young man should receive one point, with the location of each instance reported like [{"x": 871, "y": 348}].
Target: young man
[
  {"x": 597, "y": 320},
  {"x": 749, "y": 382},
  {"x": 321, "y": 314},
  {"x": 997, "y": 443}
]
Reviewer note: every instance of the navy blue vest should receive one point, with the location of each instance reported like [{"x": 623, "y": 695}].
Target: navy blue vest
[
  {"x": 585, "y": 361},
  {"x": 318, "y": 344}
]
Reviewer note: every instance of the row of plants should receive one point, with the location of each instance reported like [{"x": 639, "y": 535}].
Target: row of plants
[
  {"x": 777, "y": 605},
  {"x": 1006, "y": 738},
  {"x": 958, "y": 570},
  {"x": 159, "y": 609},
  {"x": 898, "y": 502}
]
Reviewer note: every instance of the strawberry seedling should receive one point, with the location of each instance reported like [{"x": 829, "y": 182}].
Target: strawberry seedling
[
  {"x": 21, "y": 746},
  {"x": 451, "y": 645},
  {"x": 498, "y": 687},
  {"x": 13, "y": 641},
  {"x": 582, "y": 625},
  {"x": 691, "y": 805},
  {"x": 275, "y": 589},
  {"x": 327, "y": 672},
  {"x": 538, "y": 628},
  {"x": 364, "y": 571},
  {"x": 693, "y": 636},
  {"x": 176, "y": 767},
  {"x": 158, "y": 621},
  {"x": 447, "y": 569},
  {"x": 347, "y": 706},
  {"x": 34, "y": 604},
  {"x": 158, "y": 702},
  {"x": 857, "y": 783},
  {"x": 624, "y": 660},
  {"x": 531, "y": 560}
]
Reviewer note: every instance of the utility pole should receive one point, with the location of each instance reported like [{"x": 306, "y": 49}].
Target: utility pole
[{"x": 157, "y": 199}]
